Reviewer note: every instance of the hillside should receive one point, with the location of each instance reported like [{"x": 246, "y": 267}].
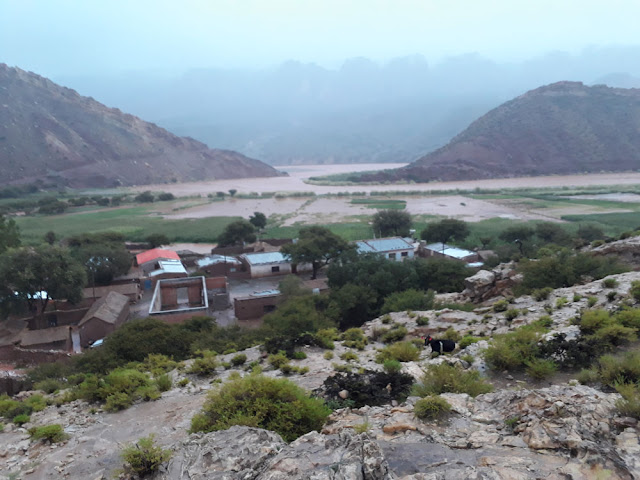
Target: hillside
[
  {"x": 49, "y": 132},
  {"x": 562, "y": 128}
]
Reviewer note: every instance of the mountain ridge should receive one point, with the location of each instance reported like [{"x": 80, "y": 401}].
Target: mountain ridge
[{"x": 50, "y": 132}]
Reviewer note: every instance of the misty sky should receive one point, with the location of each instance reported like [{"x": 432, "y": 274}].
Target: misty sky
[{"x": 59, "y": 37}]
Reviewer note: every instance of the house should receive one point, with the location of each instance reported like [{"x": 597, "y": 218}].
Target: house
[
  {"x": 104, "y": 316},
  {"x": 55, "y": 338},
  {"x": 256, "y": 305},
  {"x": 130, "y": 290},
  {"x": 169, "y": 269},
  {"x": 222, "y": 265},
  {"x": 444, "y": 250},
  {"x": 180, "y": 295},
  {"x": 267, "y": 264},
  {"x": 148, "y": 261},
  {"x": 393, "y": 248}
]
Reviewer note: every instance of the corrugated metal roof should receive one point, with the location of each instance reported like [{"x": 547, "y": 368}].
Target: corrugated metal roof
[
  {"x": 265, "y": 258},
  {"x": 168, "y": 267},
  {"x": 383, "y": 245},
  {"x": 454, "y": 252},
  {"x": 265, "y": 293},
  {"x": 215, "y": 259},
  {"x": 154, "y": 254}
]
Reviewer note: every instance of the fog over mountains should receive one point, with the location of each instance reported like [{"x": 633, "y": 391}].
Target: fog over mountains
[{"x": 360, "y": 112}]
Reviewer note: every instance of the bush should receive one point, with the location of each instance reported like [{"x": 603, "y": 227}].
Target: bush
[
  {"x": 257, "y": 401},
  {"x": 299, "y": 355},
  {"x": 277, "y": 360},
  {"x": 561, "y": 302},
  {"x": 422, "y": 321},
  {"x": 206, "y": 365},
  {"x": 144, "y": 458},
  {"x": 468, "y": 340},
  {"x": 328, "y": 355},
  {"x": 500, "y": 306},
  {"x": 354, "y": 338},
  {"x": 445, "y": 378},
  {"x": 362, "y": 427},
  {"x": 629, "y": 318},
  {"x": 164, "y": 382},
  {"x": 451, "y": 334},
  {"x": 510, "y": 314},
  {"x": 629, "y": 405},
  {"x": 400, "y": 351},
  {"x": 614, "y": 335},
  {"x": 540, "y": 369},
  {"x": 324, "y": 338},
  {"x": 431, "y": 407},
  {"x": 609, "y": 283},
  {"x": 591, "y": 301},
  {"x": 392, "y": 366},
  {"x": 157, "y": 364},
  {"x": 49, "y": 386},
  {"x": 619, "y": 369},
  {"x": 118, "y": 401},
  {"x": 349, "y": 356},
  {"x": 634, "y": 291},
  {"x": 21, "y": 419},
  {"x": 511, "y": 350},
  {"x": 239, "y": 359},
  {"x": 410, "y": 299},
  {"x": 366, "y": 388},
  {"x": 396, "y": 333},
  {"x": 53, "y": 433},
  {"x": 540, "y": 294}
]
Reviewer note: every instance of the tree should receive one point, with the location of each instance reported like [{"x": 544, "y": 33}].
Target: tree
[
  {"x": 232, "y": 191},
  {"x": 258, "y": 220},
  {"x": 590, "y": 232},
  {"x": 516, "y": 232},
  {"x": 352, "y": 305},
  {"x": 50, "y": 237},
  {"x": 392, "y": 222},
  {"x": 163, "y": 197},
  {"x": 552, "y": 233},
  {"x": 103, "y": 261},
  {"x": 157, "y": 239},
  {"x": 236, "y": 233},
  {"x": 144, "y": 197},
  {"x": 445, "y": 230},
  {"x": 9, "y": 234},
  {"x": 32, "y": 277},
  {"x": 317, "y": 246}
]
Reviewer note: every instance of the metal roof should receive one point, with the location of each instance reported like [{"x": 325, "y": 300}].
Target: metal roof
[
  {"x": 383, "y": 245},
  {"x": 266, "y": 258},
  {"x": 169, "y": 266},
  {"x": 449, "y": 251},
  {"x": 215, "y": 259}
]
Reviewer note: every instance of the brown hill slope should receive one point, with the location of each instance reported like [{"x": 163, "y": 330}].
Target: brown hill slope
[
  {"x": 50, "y": 132},
  {"x": 563, "y": 128}
]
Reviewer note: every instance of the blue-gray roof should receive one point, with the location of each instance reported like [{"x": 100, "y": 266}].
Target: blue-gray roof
[
  {"x": 450, "y": 251},
  {"x": 266, "y": 258},
  {"x": 383, "y": 245}
]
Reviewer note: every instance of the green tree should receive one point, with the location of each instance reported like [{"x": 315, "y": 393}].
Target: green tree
[
  {"x": 9, "y": 234},
  {"x": 50, "y": 237},
  {"x": 258, "y": 220},
  {"x": 144, "y": 197},
  {"x": 352, "y": 305},
  {"x": 232, "y": 191},
  {"x": 445, "y": 230},
  {"x": 411, "y": 299},
  {"x": 157, "y": 240},
  {"x": 392, "y": 222},
  {"x": 317, "y": 246},
  {"x": 552, "y": 233},
  {"x": 590, "y": 232},
  {"x": 163, "y": 197},
  {"x": 103, "y": 261},
  {"x": 295, "y": 316},
  {"x": 237, "y": 233},
  {"x": 516, "y": 232},
  {"x": 31, "y": 277}
]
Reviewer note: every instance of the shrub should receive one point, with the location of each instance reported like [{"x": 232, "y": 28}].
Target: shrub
[
  {"x": 619, "y": 369},
  {"x": 591, "y": 301},
  {"x": 148, "y": 393},
  {"x": 257, "y": 401},
  {"x": 36, "y": 402},
  {"x": 467, "y": 358},
  {"x": 52, "y": 433},
  {"x": 164, "y": 382},
  {"x": 634, "y": 291},
  {"x": 593, "y": 320},
  {"x": 611, "y": 296},
  {"x": 366, "y": 388},
  {"x": 144, "y": 458},
  {"x": 354, "y": 338},
  {"x": 183, "y": 382},
  {"x": 468, "y": 340},
  {"x": 410, "y": 299},
  {"x": 561, "y": 302},
  {"x": 21, "y": 419},
  {"x": 324, "y": 338},
  {"x": 385, "y": 319},
  {"x": 500, "y": 306},
  {"x": 118, "y": 401},
  {"x": 205, "y": 365},
  {"x": 614, "y": 335},
  {"x": 349, "y": 356},
  {"x": 277, "y": 360},
  {"x": 451, "y": 334},
  {"x": 328, "y": 355},
  {"x": 157, "y": 364},
  {"x": 577, "y": 297},
  {"x": 540, "y": 369},
  {"x": 299, "y": 355},
  {"x": 400, "y": 351},
  {"x": 512, "y": 422},
  {"x": 540, "y": 294},
  {"x": 392, "y": 366},
  {"x": 629, "y": 318},
  {"x": 362, "y": 427},
  {"x": 629, "y": 404},
  {"x": 49, "y": 385},
  {"x": 431, "y": 407},
  {"x": 239, "y": 359},
  {"x": 445, "y": 378},
  {"x": 511, "y": 350},
  {"x": 422, "y": 321},
  {"x": 588, "y": 376},
  {"x": 544, "y": 321},
  {"x": 396, "y": 333},
  {"x": 511, "y": 314},
  {"x": 610, "y": 283}
]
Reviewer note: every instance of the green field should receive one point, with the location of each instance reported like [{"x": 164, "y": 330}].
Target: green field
[{"x": 380, "y": 203}]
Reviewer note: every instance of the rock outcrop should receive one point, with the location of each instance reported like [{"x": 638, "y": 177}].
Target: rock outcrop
[
  {"x": 487, "y": 284},
  {"x": 626, "y": 250}
]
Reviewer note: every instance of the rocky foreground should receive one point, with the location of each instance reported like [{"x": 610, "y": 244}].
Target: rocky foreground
[{"x": 523, "y": 430}]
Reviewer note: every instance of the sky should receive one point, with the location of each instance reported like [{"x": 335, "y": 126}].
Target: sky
[{"x": 75, "y": 37}]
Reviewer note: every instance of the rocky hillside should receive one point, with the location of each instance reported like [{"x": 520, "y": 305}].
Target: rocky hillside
[
  {"x": 562, "y": 128},
  {"x": 51, "y": 133},
  {"x": 524, "y": 429}
]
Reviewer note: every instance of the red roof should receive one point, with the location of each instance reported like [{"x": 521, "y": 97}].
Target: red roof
[{"x": 155, "y": 254}]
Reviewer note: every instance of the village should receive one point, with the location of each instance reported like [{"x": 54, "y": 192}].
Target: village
[{"x": 237, "y": 285}]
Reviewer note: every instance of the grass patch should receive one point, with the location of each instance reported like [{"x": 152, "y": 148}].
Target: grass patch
[
  {"x": 380, "y": 203},
  {"x": 445, "y": 378}
]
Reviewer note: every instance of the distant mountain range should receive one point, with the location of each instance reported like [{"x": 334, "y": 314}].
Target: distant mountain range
[
  {"x": 51, "y": 133},
  {"x": 359, "y": 111},
  {"x": 562, "y": 128}
]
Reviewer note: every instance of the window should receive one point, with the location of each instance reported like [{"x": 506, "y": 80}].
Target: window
[
  {"x": 275, "y": 269},
  {"x": 268, "y": 308},
  {"x": 405, "y": 254},
  {"x": 392, "y": 256}
]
